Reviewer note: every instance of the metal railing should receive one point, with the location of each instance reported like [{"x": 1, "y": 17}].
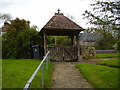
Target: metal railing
[{"x": 35, "y": 72}]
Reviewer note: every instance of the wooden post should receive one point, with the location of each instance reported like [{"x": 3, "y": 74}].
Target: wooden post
[
  {"x": 55, "y": 40},
  {"x": 72, "y": 40},
  {"x": 78, "y": 46},
  {"x": 42, "y": 47},
  {"x": 45, "y": 47}
]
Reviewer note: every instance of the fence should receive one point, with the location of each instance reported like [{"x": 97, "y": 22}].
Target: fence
[
  {"x": 106, "y": 51},
  {"x": 39, "y": 66},
  {"x": 63, "y": 53}
]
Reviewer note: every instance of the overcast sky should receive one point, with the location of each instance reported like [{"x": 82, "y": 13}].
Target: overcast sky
[{"x": 39, "y": 12}]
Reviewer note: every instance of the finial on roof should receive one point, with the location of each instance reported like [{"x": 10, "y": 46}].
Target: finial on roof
[{"x": 58, "y": 12}]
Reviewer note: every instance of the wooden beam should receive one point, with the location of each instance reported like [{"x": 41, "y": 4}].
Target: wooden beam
[
  {"x": 45, "y": 46},
  {"x": 42, "y": 47},
  {"x": 72, "y": 40},
  {"x": 55, "y": 40},
  {"x": 78, "y": 46}
]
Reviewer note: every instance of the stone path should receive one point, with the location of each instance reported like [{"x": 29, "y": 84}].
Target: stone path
[{"x": 67, "y": 76}]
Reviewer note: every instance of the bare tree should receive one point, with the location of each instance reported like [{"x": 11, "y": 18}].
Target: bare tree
[
  {"x": 35, "y": 27},
  {"x": 5, "y": 17}
]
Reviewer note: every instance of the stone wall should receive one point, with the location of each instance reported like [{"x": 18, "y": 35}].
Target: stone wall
[{"x": 88, "y": 50}]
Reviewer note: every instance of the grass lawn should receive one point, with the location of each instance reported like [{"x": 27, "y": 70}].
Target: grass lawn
[
  {"x": 112, "y": 63},
  {"x": 0, "y": 74},
  {"x": 36, "y": 83},
  {"x": 15, "y": 73},
  {"x": 99, "y": 76},
  {"x": 107, "y": 55}
]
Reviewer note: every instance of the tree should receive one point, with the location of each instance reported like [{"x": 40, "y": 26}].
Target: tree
[
  {"x": 60, "y": 40},
  {"x": 5, "y": 17},
  {"x": 105, "y": 16},
  {"x": 105, "y": 13},
  {"x": 107, "y": 42},
  {"x": 35, "y": 27},
  {"x": 18, "y": 39}
]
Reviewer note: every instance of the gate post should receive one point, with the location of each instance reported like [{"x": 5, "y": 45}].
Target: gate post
[
  {"x": 72, "y": 40},
  {"x": 63, "y": 53},
  {"x": 78, "y": 46},
  {"x": 44, "y": 43}
]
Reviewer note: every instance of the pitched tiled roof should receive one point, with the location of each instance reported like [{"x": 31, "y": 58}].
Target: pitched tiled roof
[
  {"x": 59, "y": 21},
  {"x": 61, "y": 25},
  {"x": 5, "y": 26}
]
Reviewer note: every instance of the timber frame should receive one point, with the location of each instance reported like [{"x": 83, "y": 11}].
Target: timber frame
[{"x": 59, "y": 25}]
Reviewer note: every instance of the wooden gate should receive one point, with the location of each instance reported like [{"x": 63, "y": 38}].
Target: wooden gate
[{"x": 63, "y": 53}]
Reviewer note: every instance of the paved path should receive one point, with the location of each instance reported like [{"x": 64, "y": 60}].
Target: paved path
[{"x": 67, "y": 76}]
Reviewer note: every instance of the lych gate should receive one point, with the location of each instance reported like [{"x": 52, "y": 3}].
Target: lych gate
[{"x": 59, "y": 25}]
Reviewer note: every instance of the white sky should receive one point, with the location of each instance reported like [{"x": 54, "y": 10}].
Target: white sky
[{"x": 39, "y": 12}]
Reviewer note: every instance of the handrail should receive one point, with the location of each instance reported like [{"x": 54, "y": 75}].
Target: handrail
[{"x": 33, "y": 75}]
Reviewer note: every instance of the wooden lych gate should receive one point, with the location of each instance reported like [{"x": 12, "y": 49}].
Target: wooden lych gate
[
  {"x": 59, "y": 25},
  {"x": 63, "y": 53}
]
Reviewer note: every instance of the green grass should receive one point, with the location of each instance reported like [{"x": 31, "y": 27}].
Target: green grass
[
  {"x": 48, "y": 76},
  {"x": 107, "y": 55},
  {"x": 112, "y": 63},
  {"x": 15, "y": 73},
  {"x": 0, "y": 74},
  {"x": 99, "y": 76}
]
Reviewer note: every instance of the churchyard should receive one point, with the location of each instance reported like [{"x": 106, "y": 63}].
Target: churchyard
[
  {"x": 16, "y": 72},
  {"x": 62, "y": 54}
]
